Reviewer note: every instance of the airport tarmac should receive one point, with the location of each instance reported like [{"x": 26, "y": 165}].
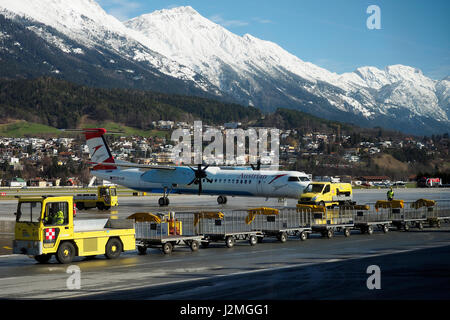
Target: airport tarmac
[{"x": 414, "y": 265}]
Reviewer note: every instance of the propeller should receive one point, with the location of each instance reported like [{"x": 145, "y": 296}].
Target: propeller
[
  {"x": 258, "y": 166},
  {"x": 200, "y": 174}
]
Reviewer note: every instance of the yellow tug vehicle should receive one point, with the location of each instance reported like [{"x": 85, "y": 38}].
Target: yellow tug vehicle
[{"x": 45, "y": 227}]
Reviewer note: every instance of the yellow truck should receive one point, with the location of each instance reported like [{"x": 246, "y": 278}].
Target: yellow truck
[
  {"x": 105, "y": 198},
  {"x": 327, "y": 194},
  {"x": 45, "y": 227}
]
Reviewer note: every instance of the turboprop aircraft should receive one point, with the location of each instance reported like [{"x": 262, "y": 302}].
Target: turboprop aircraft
[{"x": 191, "y": 180}]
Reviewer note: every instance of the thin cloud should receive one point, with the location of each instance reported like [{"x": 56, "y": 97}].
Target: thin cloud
[
  {"x": 228, "y": 23},
  {"x": 262, "y": 21},
  {"x": 121, "y": 9}
]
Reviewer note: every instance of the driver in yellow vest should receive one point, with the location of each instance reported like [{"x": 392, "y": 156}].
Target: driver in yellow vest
[{"x": 55, "y": 217}]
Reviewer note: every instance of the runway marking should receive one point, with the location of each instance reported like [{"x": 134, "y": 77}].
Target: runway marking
[{"x": 111, "y": 289}]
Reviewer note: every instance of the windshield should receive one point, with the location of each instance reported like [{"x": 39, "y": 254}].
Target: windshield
[
  {"x": 113, "y": 192},
  {"x": 28, "y": 212},
  {"x": 313, "y": 188}
]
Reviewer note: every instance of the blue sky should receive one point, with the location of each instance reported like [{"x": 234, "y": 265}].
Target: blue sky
[{"x": 330, "y": 33}]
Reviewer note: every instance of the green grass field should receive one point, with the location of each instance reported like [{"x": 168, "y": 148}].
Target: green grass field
[{"x": 23, "y": 128}]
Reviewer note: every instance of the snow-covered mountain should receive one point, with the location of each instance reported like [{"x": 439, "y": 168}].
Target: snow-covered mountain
[{"x": 180, "y": 43}]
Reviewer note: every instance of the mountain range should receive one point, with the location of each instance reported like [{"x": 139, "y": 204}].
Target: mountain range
[{"x": 180, "y": 51}]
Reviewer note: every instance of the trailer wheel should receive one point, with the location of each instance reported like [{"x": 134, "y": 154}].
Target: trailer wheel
[
  {"x": 65, "y": 253},
  {"x": 229, "y": 241},
  {"x": 142, "y": 250},
  {"x": 282, "y": 237},
  {"x": 369, "y": 230},
  {"x": 43, "y": 258},
  {"x": 438, "y": 224},
  {"x": 329, "y": 233},
  {"x": 113, "y": 248},
  {"x": 362, "y": 229},
  {"x": 419, "y": 225},
  {"x": 303, "y": 235},
  {"x": 406, "y": 226},
  {"x": 260, "y": 239},
  {"x": 253, "y": 240},
  {"x": 167, "y": 248},
  {"x": 347, "y": 232},
  {"x": 386, "y": 228},
  {"x": 194, "y": 245}
]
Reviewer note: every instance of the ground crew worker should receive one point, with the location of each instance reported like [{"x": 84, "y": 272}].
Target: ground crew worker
[
  {"x": 390, "y": 194},
  {"x": 54, "y": 217}
]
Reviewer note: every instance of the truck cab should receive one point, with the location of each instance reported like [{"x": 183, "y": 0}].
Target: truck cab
[
  {"x": 45, "y": 227},
  {"x": 105, "y": 198},
  {"x": 327, "y": 194}
]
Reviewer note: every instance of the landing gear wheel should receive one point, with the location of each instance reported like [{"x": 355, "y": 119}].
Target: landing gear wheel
[
  {"x": 113, "y": 248},
  {"x": 65, "y": 253},
  {"x": 167, "y": 248},
  {"x": 229, "y": 242},
  {"x": 222, "y": 200},
  {"x": 43, "y": 258},
  {"x": 163, "y": 202},
  {"x": 253, "y": 240}
]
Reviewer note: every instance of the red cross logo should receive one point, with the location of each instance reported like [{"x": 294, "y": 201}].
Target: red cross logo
[{"x": 50, "y": 234}]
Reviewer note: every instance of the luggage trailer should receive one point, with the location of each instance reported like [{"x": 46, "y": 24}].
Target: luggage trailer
[
  {"x": 229, "y": 227},
  {"x": 166, "y": 235},
  {"x": 333, "y": 220},
  {"x": 288, "y": 222}
]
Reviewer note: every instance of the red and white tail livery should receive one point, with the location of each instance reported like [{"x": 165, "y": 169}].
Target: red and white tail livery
[{"x": 98, "y": 149}]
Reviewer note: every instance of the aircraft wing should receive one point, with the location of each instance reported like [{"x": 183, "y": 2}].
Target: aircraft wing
[{"x": 138, "y": 166}]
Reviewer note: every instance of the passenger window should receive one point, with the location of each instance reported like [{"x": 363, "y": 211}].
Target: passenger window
[
  {"x": 327, "y": 189},
  {"x": 56, "y": 213}
]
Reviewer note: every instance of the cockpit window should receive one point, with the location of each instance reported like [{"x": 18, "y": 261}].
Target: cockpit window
[
  {"x": 304, "y": 179},
  {"x": 293, "y": 179}
]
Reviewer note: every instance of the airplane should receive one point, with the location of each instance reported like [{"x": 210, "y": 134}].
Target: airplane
[{"x": 191, "y": 180}]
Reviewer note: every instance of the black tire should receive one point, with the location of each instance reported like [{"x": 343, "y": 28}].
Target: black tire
[
  {"x": 229, "y": 242},
  {"x": 283, "y": 237},
  {"x": 406, "y": 226},
  {"x": 167, "y": 248},
  {"x": 386, "y": 228},
  {"x": 329, "y": 233},
  {"x": 161, "y": 202},
  {"x": 142, "y": 250},
  {"x": 100, "y": 206},
  {"x": 166, "y": 202},
  {"x": 106, "y": 207},
  {"x": 43, "y": 258},
  {"x": 419, "y": 225},
  {"x": 80, "y": 205},
  {"x": 363, "y": 230},
  {"x": 321, "y": 203},
  {"x": 347, "y": 232},
  {"x": 194, "y": 245},
  {"x": 369, "y": 230},
  {"x": 438, "y": 224},
  {"x": 113, "y": 248},
  {"x": 65, "y": 253},
  {"x": 260, "y": 239},
  {"x": 303, "y": 235},
  {"x": 253, "y": 240},
  {"x": 220, "y": 200}
]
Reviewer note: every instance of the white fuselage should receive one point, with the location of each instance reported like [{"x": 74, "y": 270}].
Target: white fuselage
[{"x": 276, "y": 184}]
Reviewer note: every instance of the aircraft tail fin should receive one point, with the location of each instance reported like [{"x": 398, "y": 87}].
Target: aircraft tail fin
[{"x": 98, "y": 149}]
